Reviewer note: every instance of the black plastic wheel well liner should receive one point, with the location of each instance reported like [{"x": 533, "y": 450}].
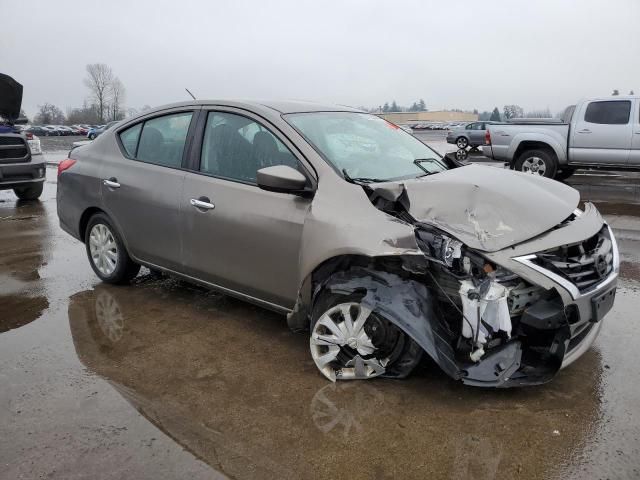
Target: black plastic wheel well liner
[
  {"x": 405, "y": 302},
  {"x": 84, "y": 220}
]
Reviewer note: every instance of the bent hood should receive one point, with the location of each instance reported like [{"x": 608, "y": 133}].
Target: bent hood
[
  {"x": 10, "y": 97},
  {"x": 487, "y": 208}
]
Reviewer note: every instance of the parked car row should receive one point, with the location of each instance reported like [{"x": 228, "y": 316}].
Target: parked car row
[
  {"x": 435, "y": 125},
  {"x": 58, "y": 130},
  {"x": 97, "y": 130}
]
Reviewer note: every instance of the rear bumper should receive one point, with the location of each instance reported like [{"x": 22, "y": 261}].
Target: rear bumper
[{"x": 18, "y": 174}]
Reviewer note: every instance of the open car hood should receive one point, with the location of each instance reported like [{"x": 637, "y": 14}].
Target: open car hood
[
  {"x": 487, "y": 208},
  {"x": 10, "y": 97}
]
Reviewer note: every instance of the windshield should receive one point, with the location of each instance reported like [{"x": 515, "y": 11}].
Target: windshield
[{"x": 366, "y": 147}]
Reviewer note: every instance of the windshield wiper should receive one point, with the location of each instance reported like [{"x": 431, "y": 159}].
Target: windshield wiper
[
  {"x": 351, "y": 179},
  {"x": 419, "y": 161}
]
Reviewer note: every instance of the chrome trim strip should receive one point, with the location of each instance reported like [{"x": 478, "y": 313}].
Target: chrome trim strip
[
  {"x": 225, "y": 290},
  {"x": 583, "y": 346}
]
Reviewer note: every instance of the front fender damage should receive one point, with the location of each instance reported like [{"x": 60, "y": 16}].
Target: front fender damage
[{"x": 409, "y": 303}]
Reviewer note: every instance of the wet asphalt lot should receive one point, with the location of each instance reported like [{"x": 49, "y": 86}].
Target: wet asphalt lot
[{"x": 164, "y": 380}]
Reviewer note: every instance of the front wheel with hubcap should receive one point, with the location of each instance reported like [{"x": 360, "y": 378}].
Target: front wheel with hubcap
[
  {"x": 537, "y": 162},
  {"x": 351, "y": 341},
  {"x": 106, "y": 251}
]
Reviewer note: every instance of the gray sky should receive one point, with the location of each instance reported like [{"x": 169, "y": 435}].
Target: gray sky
[{"x": 454, "y": 54}]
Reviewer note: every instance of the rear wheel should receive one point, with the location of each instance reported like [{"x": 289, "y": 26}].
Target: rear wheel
[
  {"x": 106, "y": 251},
  {"x": 462, "y": 142},
  {"x": 31, "y": 192},
  {"x": 537, "y": 162},
  {"x": 350, "y": 341}
]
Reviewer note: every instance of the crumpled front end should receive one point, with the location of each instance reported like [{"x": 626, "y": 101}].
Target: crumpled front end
[{"x": 519, "y": 315}]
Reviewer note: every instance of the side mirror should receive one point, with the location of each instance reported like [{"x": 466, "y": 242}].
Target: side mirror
[{"x": 282, "y": 179}]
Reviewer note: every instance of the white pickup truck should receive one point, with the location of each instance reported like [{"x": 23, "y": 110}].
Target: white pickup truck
[{"x": 595, "y": 133}]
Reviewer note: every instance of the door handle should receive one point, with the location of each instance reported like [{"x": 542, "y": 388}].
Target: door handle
[
  {"x": 584, "y": 130},
  {"x": 202, "y": 203},
  {"x": 111, "y": 183}
]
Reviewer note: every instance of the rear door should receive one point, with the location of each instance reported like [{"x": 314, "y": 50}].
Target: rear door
[
  {"x": 244, "y": 239},
  {"x": 141, "y": 187},
  {"x": 602, "y": 133},
  {"x": 634, "y": 154},
  {"x": 476, "y": 134}
]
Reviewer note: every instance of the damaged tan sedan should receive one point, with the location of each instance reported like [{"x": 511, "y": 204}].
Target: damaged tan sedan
[{"x": 366, "y": 238}]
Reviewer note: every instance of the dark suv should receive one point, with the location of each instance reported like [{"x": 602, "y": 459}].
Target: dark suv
[{"x": 18, "y": 170}]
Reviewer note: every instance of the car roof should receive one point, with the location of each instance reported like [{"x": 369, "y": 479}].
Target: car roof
[
  {"x": 282, "y": 106},
  {"x": 612, "y": 97}
]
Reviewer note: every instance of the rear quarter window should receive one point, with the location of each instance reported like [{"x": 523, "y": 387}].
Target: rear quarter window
[{"x": 129, "y": 139}]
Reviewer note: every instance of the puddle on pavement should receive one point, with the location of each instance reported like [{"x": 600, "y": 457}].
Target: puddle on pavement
[{"x": 230, "y": 384}]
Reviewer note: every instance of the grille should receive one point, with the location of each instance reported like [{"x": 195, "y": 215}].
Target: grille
[
  {"x": 11, "y": 141},
  {"x": 585, "y": 264},
  {"x": 17, "y": 153}
]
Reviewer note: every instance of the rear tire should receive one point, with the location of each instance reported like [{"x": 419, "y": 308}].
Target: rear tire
[
  {"x": 537, "y": 162},
  {"x": 364, "y": 345},
  {"x": 462, "y": 142},
  {"x": 31, "y": 192},
  {"x": 107, "y": 253}
]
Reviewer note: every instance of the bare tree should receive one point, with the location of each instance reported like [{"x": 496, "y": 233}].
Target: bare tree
[
  {"x": 513, "y": 111},
  {"x": 546, "y": 113},
  {"x": 49, "y": 114},
  {"x": 99, "y": 80},
  {"x": 117, "y": 93}
]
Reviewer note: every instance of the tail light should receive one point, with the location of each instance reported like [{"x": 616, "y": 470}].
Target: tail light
[
  {"x": 29, "y": 136},
  {"x": 65, "y": 165},
  {"x": 487, "y": 138}
]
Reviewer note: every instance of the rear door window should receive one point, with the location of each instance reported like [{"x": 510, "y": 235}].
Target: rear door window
[
  {"x": 159, "y": 140},
  {"x": 610, "y": 112},
  {"x": 163, "y": 138}
]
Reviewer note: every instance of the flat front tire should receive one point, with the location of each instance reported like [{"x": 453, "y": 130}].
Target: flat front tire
[
  {"x": 351, "y": 341},
  {"x": 537, "y": 162},
  {"x": 107, "y": 253}
]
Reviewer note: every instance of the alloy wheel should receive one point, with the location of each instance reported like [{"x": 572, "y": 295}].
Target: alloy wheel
[{"x": 534, "y": 166}]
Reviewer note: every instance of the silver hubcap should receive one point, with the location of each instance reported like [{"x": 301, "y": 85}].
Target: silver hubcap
[
  {"x": 535, "y": 166},
  {"x": 103, "y": 249},
  {"x": 340, "y": 330},
  {"x": 462, "y": 143}
]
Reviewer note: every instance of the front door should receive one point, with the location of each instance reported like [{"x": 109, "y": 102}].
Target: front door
[
  {"x": 235, "y": 234},
  {"x": 142, "y": 186},
  {"x": 602, "y": 133}
]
